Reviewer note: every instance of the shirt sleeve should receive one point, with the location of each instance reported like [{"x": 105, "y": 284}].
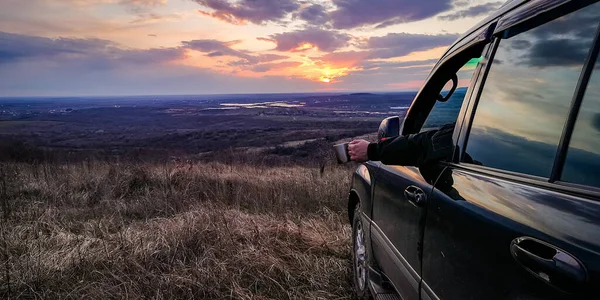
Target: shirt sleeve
[
  {"x": 414, "y": 149},
  {"x": 408, "y": 150}
]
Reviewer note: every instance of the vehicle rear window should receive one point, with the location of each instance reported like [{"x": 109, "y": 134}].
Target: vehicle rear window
[
  {"x": 526, "y": 98},
  {"x": 582, "y": 165}
]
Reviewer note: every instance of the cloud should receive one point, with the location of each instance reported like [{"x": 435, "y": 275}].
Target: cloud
[
  {"x": 427, "y": 64},
  {"x": 520, "y": 44},
  {"x": 123, "y": 2},
  {"x": 558, "y": 52},
  {"x": 357, "y": 13},
  {"x": 144, "y": 2},
  {"x": 576, "y": 25},
  {"x": 315, "y": 14},
  {"x": 253, "y": 60},
  {"x": 32, "y": 80},
  {"x": 473, "y": 11},
  {"x": 400, "y": 44},
  {"x": 261, "y": 68},
  {"x": 43, "y": 67},
  {"x": 324, "y": 40},
  {"x": 344, "y": 58},
  {"x": 215, "y": 54},
  {"x": 270, "y": 57},
  {"x": 215, "y": 48},
  {"x": 152, "y": 18},
  {"x": 16, "y": 47},
  {"x": 562, "y": 42},
  {"x": 253, "y": 11}
]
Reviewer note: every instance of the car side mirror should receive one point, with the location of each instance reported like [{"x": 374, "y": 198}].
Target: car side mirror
[{"x": 389, "y": 127}]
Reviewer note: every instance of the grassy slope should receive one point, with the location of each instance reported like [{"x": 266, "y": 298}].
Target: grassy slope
[{"x": 204, "y": 230}]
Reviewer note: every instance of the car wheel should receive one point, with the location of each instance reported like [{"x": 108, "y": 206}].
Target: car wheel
[{"x": 359, "y": 257}]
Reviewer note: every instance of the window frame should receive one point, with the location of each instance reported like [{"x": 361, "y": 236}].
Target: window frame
[
  {"x": 426, "y": 98},
  {"x": 553, "y": 181},
  {"x": 582, "y": 83},
  {"x": 466, "y": 99}
]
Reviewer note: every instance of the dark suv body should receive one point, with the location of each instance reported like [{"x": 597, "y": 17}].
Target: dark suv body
[{"x": 515, "y": 212}]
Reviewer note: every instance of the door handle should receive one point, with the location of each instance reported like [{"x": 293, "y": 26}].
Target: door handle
[
  {"x": 548, "y": 263},
  {"x": 415, "y": 196}
]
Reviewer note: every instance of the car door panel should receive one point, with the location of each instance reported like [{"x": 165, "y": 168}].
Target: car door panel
[
  {"x": 397, "y": 229},
  {"x": 397, "y": 269},
  {"x": 472, "y": 220}
]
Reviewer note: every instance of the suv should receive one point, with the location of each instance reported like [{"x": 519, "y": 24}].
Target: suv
[{"x": 514, "y": 212}]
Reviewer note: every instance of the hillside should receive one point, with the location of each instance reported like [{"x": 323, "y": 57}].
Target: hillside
[{"x": 187, "y": 230}]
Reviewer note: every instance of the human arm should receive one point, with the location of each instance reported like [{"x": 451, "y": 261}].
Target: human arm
[{"x": 411, "y": 150}]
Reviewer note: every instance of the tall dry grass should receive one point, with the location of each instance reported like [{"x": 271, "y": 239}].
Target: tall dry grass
[{"x": 210, "y": 230}]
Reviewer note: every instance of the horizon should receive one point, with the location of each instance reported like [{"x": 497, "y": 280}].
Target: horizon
[
  {"x": 341, "y": 93},
  {"x": 80, "y": 48}
]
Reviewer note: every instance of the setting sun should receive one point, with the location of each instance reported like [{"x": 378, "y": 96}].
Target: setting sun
[{"x": 326, "y": 80}]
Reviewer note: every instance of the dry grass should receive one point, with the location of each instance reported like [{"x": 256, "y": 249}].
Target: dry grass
[{"x": 210, "y": 230}]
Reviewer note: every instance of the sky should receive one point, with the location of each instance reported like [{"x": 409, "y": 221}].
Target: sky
[{"x": 170, "y": 47}]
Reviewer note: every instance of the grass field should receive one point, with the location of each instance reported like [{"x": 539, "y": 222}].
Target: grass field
[{"x": 174, "y": 230}]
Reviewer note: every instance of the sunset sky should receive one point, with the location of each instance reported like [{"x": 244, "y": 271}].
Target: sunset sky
[{"x": 143, "y": 47}]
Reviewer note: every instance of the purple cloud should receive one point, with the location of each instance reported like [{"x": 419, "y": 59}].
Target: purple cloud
[
  {"x": 254, "y": 11},
  {"x": 315, "y": 14},
  {"x": 400, "y": 44},
  {"x": 473, "y": 11},
  {"x": 357, "y": 13},
  {"x": 261, "y": 68},
  {"x": 16, "y": 47},
  {"x": 261, "y": 58},
  {"x": 270, "y": 57},
  {"x": 215, "y": 48},
  {"x": 325, "y": 40}
]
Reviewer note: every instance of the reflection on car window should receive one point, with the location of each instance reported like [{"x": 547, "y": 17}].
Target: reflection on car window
[
  {"x": 582, "y": 164},
  {"x": 525, "y": 101},
  {"x": 447, "y": 112}
]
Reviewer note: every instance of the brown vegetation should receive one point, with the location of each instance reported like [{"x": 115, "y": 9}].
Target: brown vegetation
[{"x": 195, "y": 230}]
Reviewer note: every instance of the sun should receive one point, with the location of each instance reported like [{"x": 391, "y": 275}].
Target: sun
[{"x": 326, "y": 80}]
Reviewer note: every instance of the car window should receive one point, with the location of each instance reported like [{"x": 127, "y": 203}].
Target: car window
[
  {"x": 582, "y": 164},
  {"x": 447, "y": 112},
  {"x": 526, "y": 97}
]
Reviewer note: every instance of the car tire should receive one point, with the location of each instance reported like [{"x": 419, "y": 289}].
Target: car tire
[{"x": 360, "y": 272}]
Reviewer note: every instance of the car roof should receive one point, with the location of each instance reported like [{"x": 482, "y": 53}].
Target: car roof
[{"x": 472, "y": 32}]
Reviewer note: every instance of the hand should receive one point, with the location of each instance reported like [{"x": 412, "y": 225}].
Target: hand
[{"x": 358, "y": 150}]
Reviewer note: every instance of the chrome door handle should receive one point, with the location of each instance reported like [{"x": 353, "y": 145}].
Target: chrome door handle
[
  {"x": 415, "y": 196},
  {"x": 549, "y": 263}
]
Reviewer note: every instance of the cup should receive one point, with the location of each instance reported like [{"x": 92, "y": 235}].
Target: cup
[{"x": 341, "y": 153}]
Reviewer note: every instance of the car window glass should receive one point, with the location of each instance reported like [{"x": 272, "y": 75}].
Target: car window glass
[
  {"x": 447, "y": 112},
  {"x": 526, "y": 97},
  {"x": 582, "y": 164}
]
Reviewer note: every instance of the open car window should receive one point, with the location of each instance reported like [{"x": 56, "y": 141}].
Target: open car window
[{"x": 447, "y": 112}]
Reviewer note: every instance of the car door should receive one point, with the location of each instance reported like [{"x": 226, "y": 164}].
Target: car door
[
  {"x": 399, "y": 204},
  {"x": 518, "y": 217}
]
